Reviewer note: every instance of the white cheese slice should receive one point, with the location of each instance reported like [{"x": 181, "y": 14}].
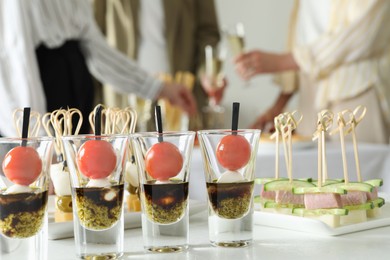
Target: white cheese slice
[
  {"x": 230, "y": 176},
  {"x": 61, "y": 179}
]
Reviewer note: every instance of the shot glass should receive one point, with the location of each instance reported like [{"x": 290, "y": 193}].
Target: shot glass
[
  {"x": 24, "y": 183},
  {"x": 163, "y": 164},
  {"x": 96, "y": 165},
  {"x": 229, "y": 166}
]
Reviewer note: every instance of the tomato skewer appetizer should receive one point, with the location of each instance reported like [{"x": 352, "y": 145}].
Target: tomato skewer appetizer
[
  {"x": 96, "y": 159},
  {"x": 163, "y": 160},
  {"x": 233, "y": 151},
  {"x": 22, "y": 164}
]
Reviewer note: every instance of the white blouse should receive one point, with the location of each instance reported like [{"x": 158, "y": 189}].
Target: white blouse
[
  {"x": 353, "y": 53},
  {"x": 312, "y": 20},
  {"x": 25, "y": 24},
  {"x": 152, "y": 50}
]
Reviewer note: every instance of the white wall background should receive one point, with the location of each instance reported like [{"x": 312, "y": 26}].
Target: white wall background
[{"x": 266, "y": 23}]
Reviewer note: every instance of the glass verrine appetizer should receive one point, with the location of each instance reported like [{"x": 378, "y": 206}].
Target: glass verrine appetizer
[
  {"x": 24, "y": 182},
  {"x": 96, "y": 164},
  {"x": 229, "y": 161},
  {"x": 163, "y": 164}
]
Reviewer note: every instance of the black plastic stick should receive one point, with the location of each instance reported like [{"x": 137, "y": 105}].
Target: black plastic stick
[
  {"x": 25, "y": 124},
  {"x": 98, "y": 122},
  {"x": 235, "y": 113},
  {"x": 159, "y": 126}
]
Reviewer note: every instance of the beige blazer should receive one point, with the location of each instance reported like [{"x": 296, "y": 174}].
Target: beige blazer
[{"x": 190, "y": 26}]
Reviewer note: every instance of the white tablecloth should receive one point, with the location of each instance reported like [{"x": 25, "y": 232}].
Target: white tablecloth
[
  {"x": 272, "y": 243},
  {"x": 374, "y": 163},
  {"x": 269, "y": 243}
]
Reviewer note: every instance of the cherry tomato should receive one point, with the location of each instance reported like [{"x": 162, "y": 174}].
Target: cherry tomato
[
  {"x": 233, "y": 152},
  {"x": 163, "y": 161},
  {"x": 22, "y": 165},
  {"x": 96, "y": 159}
]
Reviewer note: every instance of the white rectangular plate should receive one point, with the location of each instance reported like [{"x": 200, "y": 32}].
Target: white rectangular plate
[
  {"x": 314, "y": 226},
  {"x": 61, "y": 230}
]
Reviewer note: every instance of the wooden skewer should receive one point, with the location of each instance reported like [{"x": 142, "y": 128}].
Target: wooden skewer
[
  {"x": 355, "y": 118},
  {"x": 69, "y": 121},
  {"x": 34, "y": 125},
  {"x": 133, "y": 119},
  {"x": 292, "y": 124},
  {"x": 286, "y": 154},
  {"x": 324, "y": 165},
  {"x": 355, "y": 151},
  {"x": 49, "y": 131},
  {"x": 276, "y": 135},
  {"x": 341, "y": 123},
  {"x": 319, "y": 167},
  {"x": 327, "y": 125},
  {"x": 324, "y": 123},
  {"x": 289, "y": 171}
]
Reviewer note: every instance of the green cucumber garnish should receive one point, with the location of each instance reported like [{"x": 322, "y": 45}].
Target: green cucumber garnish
[{"x": 286, "y": 185}]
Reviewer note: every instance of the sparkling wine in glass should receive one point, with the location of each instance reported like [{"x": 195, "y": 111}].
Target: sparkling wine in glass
[
  {"x": 212, "y": 83},
  {"x": 212, "y": 79},
  {"x": 236, "y": 39}
]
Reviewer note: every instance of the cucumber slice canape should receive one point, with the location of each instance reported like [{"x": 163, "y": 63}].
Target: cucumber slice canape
[
  {"x": 353, "y": 186},
  {"x": 375, "y": 182},
  {"x": 286, "y": 185},
  {"x": 364, "y": 206},
  {"x": 273, "y": 204}
]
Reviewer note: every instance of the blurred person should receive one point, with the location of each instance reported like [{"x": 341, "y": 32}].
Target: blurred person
[
  {"x": 165, "y": 37},
  {"x": 339, "y": 58},
  {"x": 48, "y": 48}
]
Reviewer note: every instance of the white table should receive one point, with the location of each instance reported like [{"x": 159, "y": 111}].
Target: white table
[
  {"x": 269, "y": 243},
  {"x": 374, "y": 163},
  {"x": 272, "y": 243}
]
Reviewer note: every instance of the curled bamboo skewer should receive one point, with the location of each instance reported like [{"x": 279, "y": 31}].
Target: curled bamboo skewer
[
  {"x": 276, "y": 135},
  {"x": 35, "y": 122},
  {"x": 292, "y": 124},
  {"x": 47, "y": 125},
  {"x": 324, "y": 124},
  {"x": 355, "y": 118},
  {"x": 61, "y": 121},
  {"x": 341, "y": 128},
  {"x": 285, "y": 124}
]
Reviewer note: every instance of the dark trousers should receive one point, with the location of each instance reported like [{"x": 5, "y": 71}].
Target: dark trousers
[{"x": 66, "y": 79}]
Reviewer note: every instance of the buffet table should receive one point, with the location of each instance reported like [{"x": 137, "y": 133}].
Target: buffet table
[
  {"x": 269, "y": 243},
  {"x": 275, "y": 243},
  {"x": 374, "y": 163}
]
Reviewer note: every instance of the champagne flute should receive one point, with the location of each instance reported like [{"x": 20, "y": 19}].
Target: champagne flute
[
  {"x": 212, "y": 82},
  {"x": 236, "y": 38}
]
